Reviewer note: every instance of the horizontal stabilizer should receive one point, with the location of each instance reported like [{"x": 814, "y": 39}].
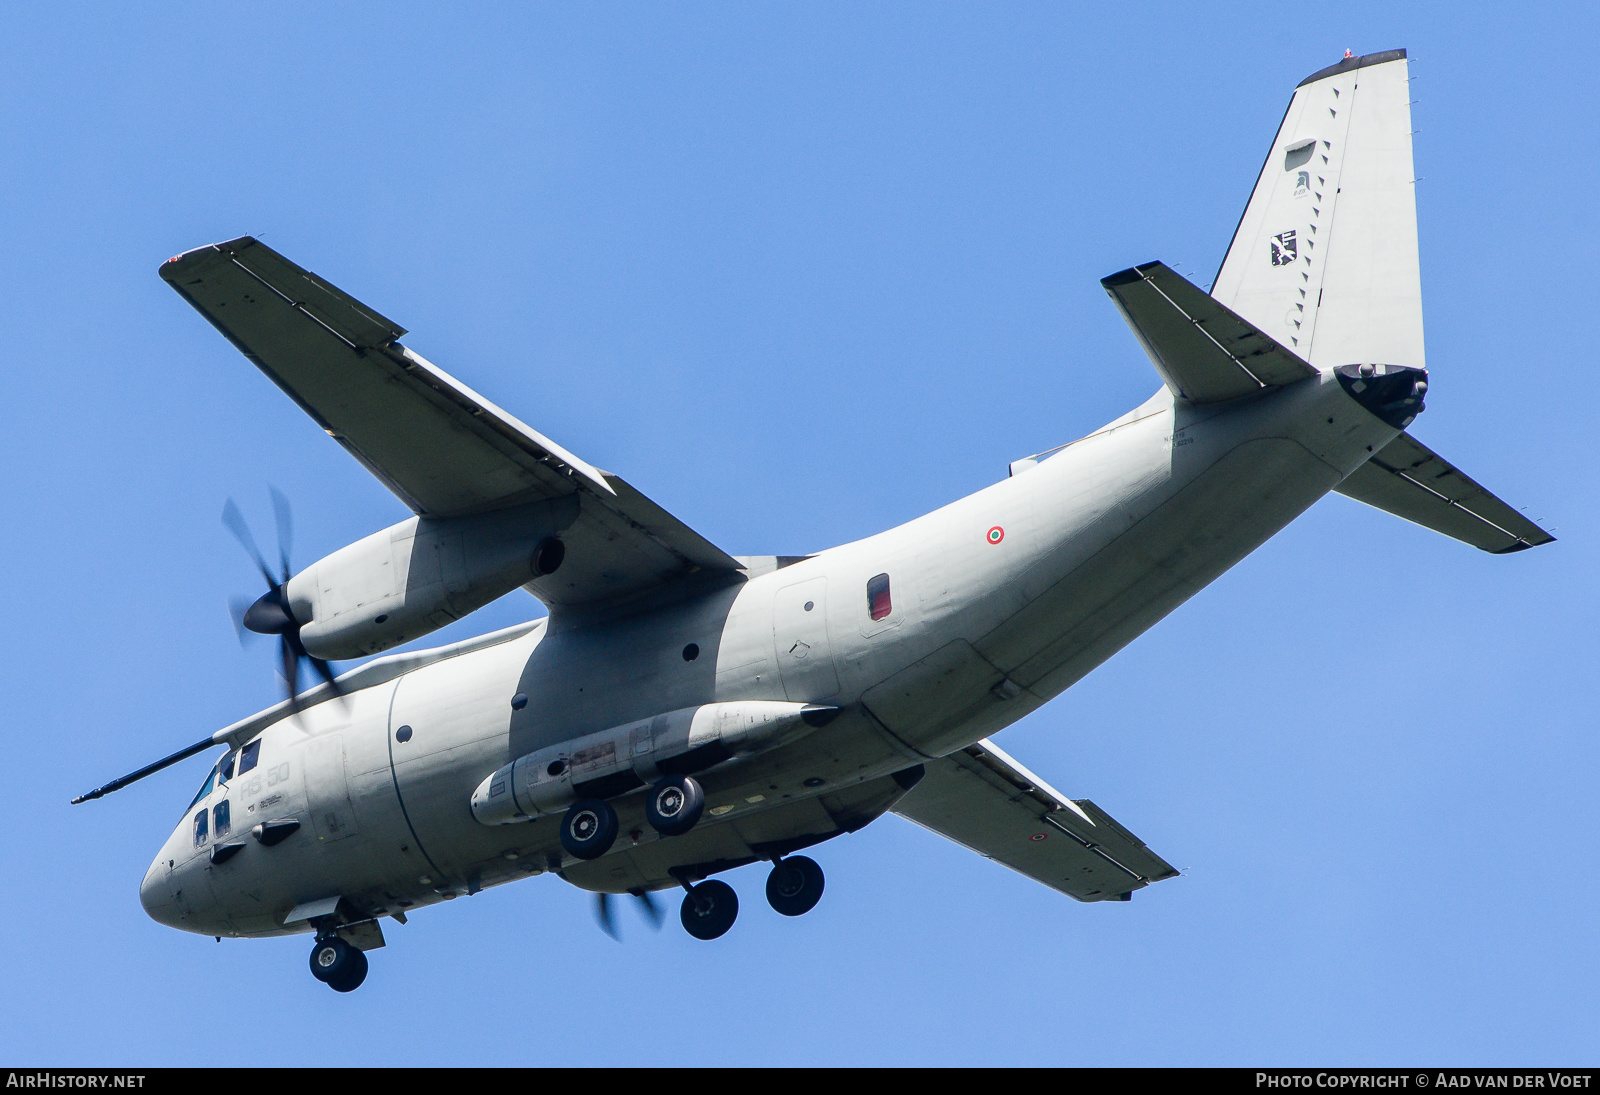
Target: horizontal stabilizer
[
  {"x": 1205, "y": 352},
  {"x": 982, "y": 799},
  {"x": 1407, "y": 479}
]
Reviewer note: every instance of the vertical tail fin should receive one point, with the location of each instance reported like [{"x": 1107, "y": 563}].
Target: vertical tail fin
[{"x": 1325, "y": 256}]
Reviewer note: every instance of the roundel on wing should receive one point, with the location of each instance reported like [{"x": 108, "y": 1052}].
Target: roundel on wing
[{"x": 996, "y": 534}]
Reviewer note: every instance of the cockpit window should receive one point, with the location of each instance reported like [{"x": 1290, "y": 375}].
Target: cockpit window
[
  {"x": 227, "y": 768},
  {"x": 219, "y": 819},
  {"x": 200, "y": 827},
  {"x": 249, "y": 755},
  {"x": 211, "y": 781}
]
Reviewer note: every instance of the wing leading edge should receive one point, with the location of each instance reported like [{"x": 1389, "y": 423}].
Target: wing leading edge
[
  {"x": 443, "y": 449},
  {"x": 984, "y": 800}
]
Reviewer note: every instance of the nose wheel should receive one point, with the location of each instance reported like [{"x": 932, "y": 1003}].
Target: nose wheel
[
  {"x": 795, "y": 885},
  {"x": 338, "y": 965}
]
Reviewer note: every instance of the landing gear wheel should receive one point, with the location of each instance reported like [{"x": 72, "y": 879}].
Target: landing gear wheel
[
  {"x": 709, "y": 909},
  {"x": 589, "y": 828},
  {"x": 351, "y": 977},
  {"x": 795, "y": 885},
  {"x": 675, "y": 804},
  {"x": 333, "y": 959}
]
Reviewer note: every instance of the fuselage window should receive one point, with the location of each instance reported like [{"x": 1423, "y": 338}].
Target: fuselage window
[
  {"x": 219, "y": 818},
  {"x": 199, "y": 828},
  {"x": 249, "y": 755},
  {"x": 878, "y": 603}
]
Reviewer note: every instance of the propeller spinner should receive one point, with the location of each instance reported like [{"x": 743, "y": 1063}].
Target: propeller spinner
[{"x": 270, "y": 614}]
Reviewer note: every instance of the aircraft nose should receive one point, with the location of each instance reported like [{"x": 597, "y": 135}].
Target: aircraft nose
[{"x": 155, "y": 894}]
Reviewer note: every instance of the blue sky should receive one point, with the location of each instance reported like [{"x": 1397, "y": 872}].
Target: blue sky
[{"x": 800, "y": 273}]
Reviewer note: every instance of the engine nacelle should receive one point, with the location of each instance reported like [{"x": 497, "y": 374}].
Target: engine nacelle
[
  {"x": 615, "y": 761},
  {"x": 415, "y": 577}
]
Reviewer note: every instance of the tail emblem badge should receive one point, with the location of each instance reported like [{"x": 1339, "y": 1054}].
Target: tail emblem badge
[{"x": 1284, "y": 249}]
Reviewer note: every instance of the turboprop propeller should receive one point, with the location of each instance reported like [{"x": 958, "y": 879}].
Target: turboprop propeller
[
  {"x": 270, "y": 614},
  {"x": 647, "y": 905}
]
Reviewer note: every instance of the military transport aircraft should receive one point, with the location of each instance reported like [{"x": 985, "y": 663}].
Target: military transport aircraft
[{"x": 681, "y": 712}]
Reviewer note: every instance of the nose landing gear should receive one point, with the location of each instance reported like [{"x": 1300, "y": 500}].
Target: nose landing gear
[
  {"x": 795, "y": 885},
  {"x": 338, "y": 965}
]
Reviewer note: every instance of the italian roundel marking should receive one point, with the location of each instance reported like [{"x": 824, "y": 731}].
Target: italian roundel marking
[
  {"x": 996, "y": 534},
  {"x": 1038, "y": 836}
]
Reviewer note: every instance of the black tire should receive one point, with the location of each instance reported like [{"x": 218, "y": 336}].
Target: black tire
[
  {"x": 589, "y": 828},
  {"x": 674, "y": 805},
  {"x": 795, "y": 885},
  {"x": 709, "y": 909},
  {"x": 350, "y": 978},
  {"x": 330, "y": 958}
]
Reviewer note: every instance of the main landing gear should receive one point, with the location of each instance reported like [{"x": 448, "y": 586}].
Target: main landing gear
[
  {"x": 338, "y": 965},
  {"x": 795, "y": 885},
  {"x": 793, "y": 888},
  {"x": 675, "y": 804},
  {"x": 590, "y": 826},
  {"x": 709, "y": 909}
]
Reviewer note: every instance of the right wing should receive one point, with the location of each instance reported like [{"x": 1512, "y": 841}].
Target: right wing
[
  {"x": 1202, "y": 349},
  {"x": 981, "y": 798},
  {"x": 1409, "y": 480},
  {"x": 442, "y": 448}
]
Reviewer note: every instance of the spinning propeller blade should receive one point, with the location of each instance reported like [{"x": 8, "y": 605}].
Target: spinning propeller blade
[
  {"x": 285, "y": 519},
  {"x": 605, "y": 918},
  {"x": 237, "y": 607},
  {"x": 233, "y": 520},
  {"x": 651, "y": 909},
  {"x": 270, "y": 614}
]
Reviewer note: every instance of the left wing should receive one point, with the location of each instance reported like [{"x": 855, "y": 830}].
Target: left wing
[
  {"x": 442, "y": 448},
  {"x": 981, "y": 798}
]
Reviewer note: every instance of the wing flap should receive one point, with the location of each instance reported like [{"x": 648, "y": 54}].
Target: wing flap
[
  {"x": 1204, "y": 351},
  {"x": 984, "y": 800},
  {"x": 1409, "y": 480}
]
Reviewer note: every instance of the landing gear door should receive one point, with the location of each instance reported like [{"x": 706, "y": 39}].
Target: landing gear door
[
  {"x": 800, "y": 639},
  {"x": 327, "y": 795}
]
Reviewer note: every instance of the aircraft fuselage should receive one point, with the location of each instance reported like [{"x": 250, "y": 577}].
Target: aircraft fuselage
[{"x": 993, "y": 605}]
